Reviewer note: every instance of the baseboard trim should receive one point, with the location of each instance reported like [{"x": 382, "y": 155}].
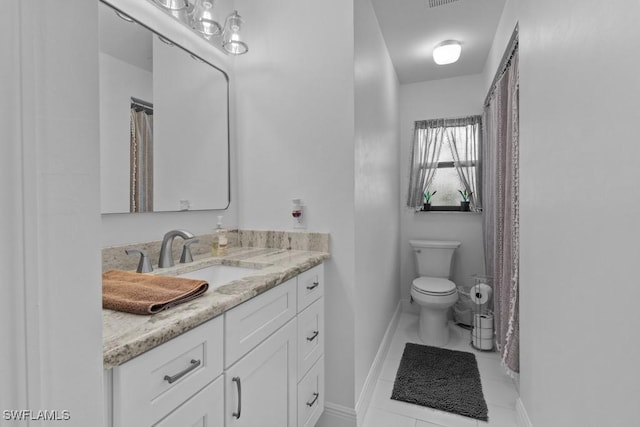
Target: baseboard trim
[
  {"x": 376, "y": 367},
  {"x": 341, "y": 412},
  {"x": 521, "y": 415}
]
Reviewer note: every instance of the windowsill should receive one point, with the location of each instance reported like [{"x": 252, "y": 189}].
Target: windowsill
[{"x": 447, "y": 209}]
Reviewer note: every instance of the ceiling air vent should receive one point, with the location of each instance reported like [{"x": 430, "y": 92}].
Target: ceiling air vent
[{"x": 436, "y": 3}]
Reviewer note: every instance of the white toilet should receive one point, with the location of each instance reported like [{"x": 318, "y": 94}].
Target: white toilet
[{"x": 432, "y": 290}]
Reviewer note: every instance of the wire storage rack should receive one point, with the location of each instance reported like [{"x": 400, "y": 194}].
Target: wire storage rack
[{"x": 482, "y": 331}]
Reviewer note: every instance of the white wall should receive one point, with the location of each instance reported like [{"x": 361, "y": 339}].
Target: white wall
[
  {"x": 295, "y": 113},
  {"x": 579, "y": 248},
  {"x": 455, "y": 97},
  {"x": 49, "y": 224},
  {"x": 377, "y": 174},
  {"x": 508, "y": 21},
  {"x": 132, "y": 228},
  {"x": 119, "y": 81},
  {"x": 13, "y": 366}
]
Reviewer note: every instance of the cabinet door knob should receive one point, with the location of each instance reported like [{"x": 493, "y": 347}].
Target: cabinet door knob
[
  {"x": 315, "y": 398},
  {"x": 239, "y": 387},
  {"x": 315, "y": 285},
  {"x": 313, "y": 337},
  {"x": 171, "y": 379}
]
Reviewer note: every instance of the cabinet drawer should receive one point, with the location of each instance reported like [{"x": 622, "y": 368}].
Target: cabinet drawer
[
  {"x": 248, "y": 324},
  {"x": 142, "y": 393},
  {"x": 205, "y": 409},
  {"x": 310, "y": 286},
  {"x": 310, "y": 336},
  {"x": 311, "y": 395}
]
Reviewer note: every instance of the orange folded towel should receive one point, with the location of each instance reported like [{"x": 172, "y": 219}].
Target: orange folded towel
[{"x": 145, "y": 293}]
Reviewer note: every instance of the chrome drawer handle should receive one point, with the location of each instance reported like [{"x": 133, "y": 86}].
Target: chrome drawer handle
[
  {"x": 176, "y": 377},
  {"x": 315, "y": 285},
  {"x": 315, "y": 398},
  {"x": 239, "y": 386},
  {"x": 313, "y": 337}
]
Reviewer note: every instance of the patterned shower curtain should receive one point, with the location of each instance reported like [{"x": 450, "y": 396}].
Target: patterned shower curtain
[
  {"x": 141, "y": 161},
  {"x": 501, "y": 209}
]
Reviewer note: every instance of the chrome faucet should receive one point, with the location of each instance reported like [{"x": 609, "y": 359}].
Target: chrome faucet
[{"x": 166, "y": 256}]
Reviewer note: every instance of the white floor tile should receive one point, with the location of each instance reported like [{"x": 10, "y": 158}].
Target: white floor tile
[
  {"x": 500, "y": 417},
  {"x": 379, "y": 418},
  {"x": 500, "y": 392},
  {"x": 389, "y": 369},
  {"x": 382, "y": 400},
  {"x": 420, "y": 423},
  {"x": 490, "y": 369}
]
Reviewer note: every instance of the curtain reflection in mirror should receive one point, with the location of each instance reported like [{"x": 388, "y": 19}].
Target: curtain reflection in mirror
[{"x": 141, "y": 157}]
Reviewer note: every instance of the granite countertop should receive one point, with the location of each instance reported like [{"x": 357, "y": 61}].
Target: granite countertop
[{"x": 126, "y": 336}]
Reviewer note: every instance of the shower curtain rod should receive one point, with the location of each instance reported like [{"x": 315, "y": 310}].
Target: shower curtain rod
[
  {"x": 146, "y": 106},
  {"x": 504, "y": 63}
]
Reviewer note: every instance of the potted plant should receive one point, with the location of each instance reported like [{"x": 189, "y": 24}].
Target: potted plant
[
  {"x": 427, "y": 200},
  {"x": 464, "y": 204}
]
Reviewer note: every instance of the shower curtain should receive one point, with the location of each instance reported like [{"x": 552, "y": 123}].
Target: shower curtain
[
  {"x": 141, "y": 161},
  {"x": 501, "y": 208}
]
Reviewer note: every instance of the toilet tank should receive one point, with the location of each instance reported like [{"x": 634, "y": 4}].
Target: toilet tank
[{"x": 434, "y": 257}]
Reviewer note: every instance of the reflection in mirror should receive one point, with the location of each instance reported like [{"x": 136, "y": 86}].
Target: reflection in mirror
[{"x": 164, "y": 127}]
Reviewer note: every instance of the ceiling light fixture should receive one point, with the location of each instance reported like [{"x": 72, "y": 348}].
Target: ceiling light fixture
[{"x": 447, "y": 52}]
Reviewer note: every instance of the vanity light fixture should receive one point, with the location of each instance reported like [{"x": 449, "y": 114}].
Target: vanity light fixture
[
  {"x": 202, "y": 19},
  {"x": 447, "y": 52},
  {"x": 231, "y": 37},
  {"x": 173, "y": 4},
  {"x": 199, "y": 16}
]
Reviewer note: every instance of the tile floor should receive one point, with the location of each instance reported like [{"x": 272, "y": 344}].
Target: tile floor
[{"x": 499, "y": 390}]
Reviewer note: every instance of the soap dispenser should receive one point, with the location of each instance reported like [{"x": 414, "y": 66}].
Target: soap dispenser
[{"x": 219, "y": 243}]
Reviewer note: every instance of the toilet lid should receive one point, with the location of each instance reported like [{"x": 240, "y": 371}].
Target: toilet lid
[{"x": 434, "y": 286}]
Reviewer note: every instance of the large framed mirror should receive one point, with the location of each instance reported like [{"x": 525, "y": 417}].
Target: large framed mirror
[{"x": 164, "y": 122}]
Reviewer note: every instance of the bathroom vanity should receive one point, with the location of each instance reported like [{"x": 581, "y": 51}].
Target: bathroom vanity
[{"x": 247, "y": 353}]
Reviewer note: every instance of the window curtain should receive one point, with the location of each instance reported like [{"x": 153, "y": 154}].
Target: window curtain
[
  {"x": 425, "y": 152},
  {"x": 501, "y": 207},
  {"x": 465, "y": 140},
  {"x": 141, "y": 161}
]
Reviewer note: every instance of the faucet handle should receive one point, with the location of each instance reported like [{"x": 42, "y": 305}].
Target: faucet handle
[
  {"x": 144, "y": 266},
  {"x": 186, "y": 250}
]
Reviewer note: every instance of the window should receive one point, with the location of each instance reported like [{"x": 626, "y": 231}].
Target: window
[{"x": 445, "y": 160}]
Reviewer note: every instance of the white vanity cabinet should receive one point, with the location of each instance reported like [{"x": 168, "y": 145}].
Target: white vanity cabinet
[
  {"x": 202, "y": 410},
  {"x": 260, "y": 360},
  {"x": 260, "y": 364},
  {"x": 261, "y": 386},
  {"x": 180, "y": 372},
  {"x": 310, "y": 346}
]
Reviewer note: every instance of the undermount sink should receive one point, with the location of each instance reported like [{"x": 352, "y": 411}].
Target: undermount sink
[{"x": 218, "y": 275}]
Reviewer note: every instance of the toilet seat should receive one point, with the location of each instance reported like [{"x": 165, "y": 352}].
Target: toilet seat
[{"x": 434, "y": 286}]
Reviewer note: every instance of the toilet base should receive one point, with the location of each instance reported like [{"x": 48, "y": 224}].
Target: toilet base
[{"x": 433, "y": 328}]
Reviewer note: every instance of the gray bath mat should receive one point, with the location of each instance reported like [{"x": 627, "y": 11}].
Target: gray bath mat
[{"x": 442, "y": 379}]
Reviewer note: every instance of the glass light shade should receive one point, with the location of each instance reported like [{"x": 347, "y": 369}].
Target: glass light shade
[
  {"x": 173, "y": 4},
  {"x": 447, "y": 52},
  {"x": 231, "y": 41},
  {"x": 202, "y": 19}
]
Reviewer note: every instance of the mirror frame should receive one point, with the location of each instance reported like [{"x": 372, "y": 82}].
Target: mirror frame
[{"x": 165, "y": 38}]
